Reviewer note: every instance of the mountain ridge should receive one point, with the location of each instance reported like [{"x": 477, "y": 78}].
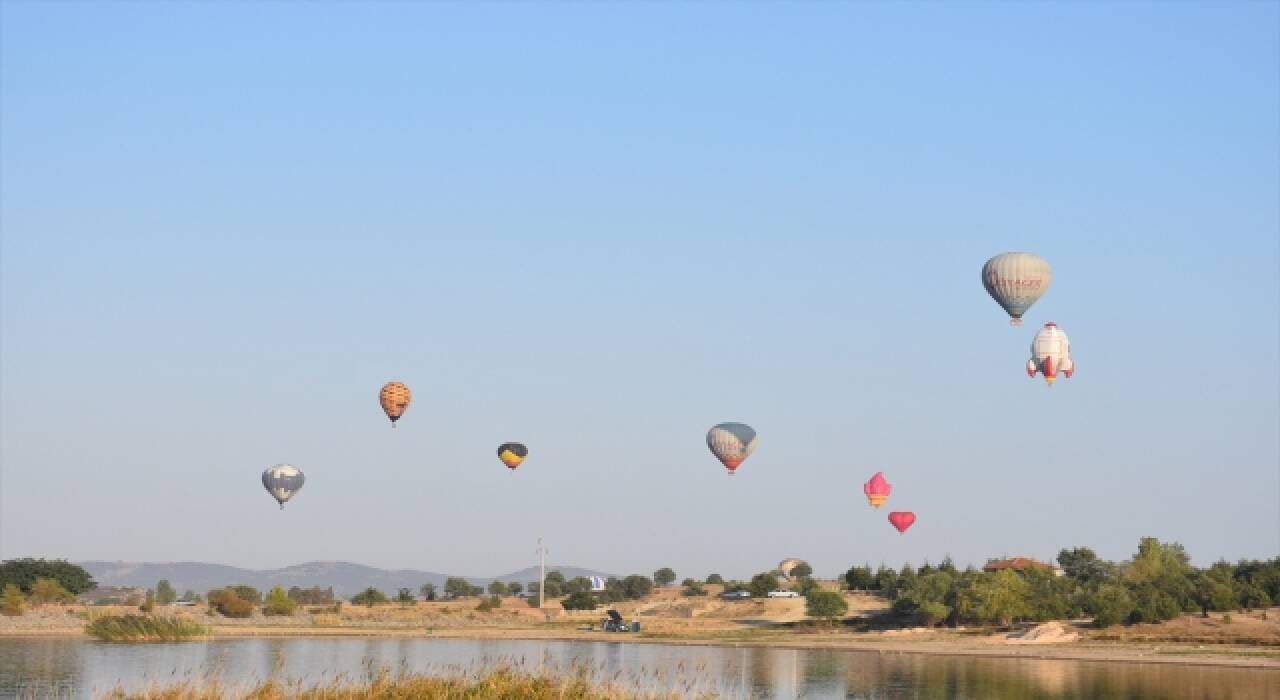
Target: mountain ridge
[{"x": 346, "y": 578}]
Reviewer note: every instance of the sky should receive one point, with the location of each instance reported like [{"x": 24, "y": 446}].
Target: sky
[{"x": 600, "y": 229}]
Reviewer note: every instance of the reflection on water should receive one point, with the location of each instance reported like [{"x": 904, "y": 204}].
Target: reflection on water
[{"x": 77, "y": 668}]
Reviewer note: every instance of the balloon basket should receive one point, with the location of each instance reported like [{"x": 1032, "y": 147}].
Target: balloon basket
[{"x": 1015, "y": 322}]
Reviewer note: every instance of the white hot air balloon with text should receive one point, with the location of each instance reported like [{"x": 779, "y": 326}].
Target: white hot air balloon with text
[{"x": 1016, "y": 281}]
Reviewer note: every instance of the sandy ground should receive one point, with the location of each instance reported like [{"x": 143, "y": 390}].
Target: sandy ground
[{"x": 1247, "y": 640}]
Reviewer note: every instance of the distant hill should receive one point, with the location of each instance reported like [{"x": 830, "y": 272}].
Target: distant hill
[{"x": 345, "y": 578}]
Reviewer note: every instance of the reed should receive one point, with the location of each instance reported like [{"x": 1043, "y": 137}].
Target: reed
[
  {"x": 496, "y": 684},
  {"x": 144, "y": 628}
]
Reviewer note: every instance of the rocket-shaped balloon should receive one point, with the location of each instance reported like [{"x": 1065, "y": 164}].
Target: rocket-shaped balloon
[{"x": 1050, "y": 354}]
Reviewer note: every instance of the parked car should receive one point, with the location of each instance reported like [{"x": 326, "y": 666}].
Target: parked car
[
  {"x": 735, "y": 595},
  {"x": 783, "y": 594}
]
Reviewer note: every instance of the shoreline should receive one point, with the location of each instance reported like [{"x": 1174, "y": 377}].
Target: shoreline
[{"x": 1229, "y": 656}]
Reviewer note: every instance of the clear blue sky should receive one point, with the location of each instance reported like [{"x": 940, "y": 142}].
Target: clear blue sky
[{"x": 599, "y": 229}]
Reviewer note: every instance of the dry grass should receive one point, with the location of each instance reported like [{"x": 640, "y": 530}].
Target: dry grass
[
  {"x": 144, "y": 628},
  {"x": 1244, "y": 629},
  {"x": 505, "y": 683}
]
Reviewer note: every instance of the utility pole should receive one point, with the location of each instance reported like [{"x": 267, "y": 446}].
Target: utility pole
[{"x": 542, "y": 572}]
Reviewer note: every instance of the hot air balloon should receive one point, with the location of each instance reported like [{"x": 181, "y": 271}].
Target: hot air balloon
[
  {"x": 282, "y": 481},
  {"x": 786, "y": 565},
  {"x": 1016, "y": 281},
  {"x": 512, "y": 454},
  {"x": 877, "y": 490},
  {"x": 731, "y": 443},
  {"x": 1050, "y": 354},
  {"x": 902, "y": 519},
  {"x": 395, "y": 398}
]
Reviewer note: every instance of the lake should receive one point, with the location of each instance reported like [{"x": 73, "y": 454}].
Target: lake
[{"x": 78, "y": 668}]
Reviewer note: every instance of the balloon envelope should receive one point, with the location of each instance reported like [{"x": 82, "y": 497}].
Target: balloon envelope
[
  {"x": 877, "y": 490},
  {"x": 902, "y": 519},
  {"x": 282, "y": 481},
  {"x": 731, "y": 443},
  {"x": 512, "y": 454},
  {"x": 1016, "y": 281},
  {"x": 395, "y": 398}
]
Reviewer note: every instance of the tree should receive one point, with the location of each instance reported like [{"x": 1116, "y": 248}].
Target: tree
[
  {"x": 428, "y": 591},
  {"x": 247, "y": 593},
  {"x": 997, "y": 598},
  {"x": 805, "y": 585},
  {"x": 369, "y": 596},
  {"x": 555, "y": 576},
  {"x": 456, "y": 587},
  {"x": 886, "y": 580},
  {"x": 405, "y": 596},
  {"x": 47, "y": 590},
  {"x": 762, "y": 583},
  {"x": 24, "y": 572},
  {"x": 664, "y": 576},
  {"x": 279, "y": 602},
  {"x": 693, "y": 589},
  {"x": 1110, "y": 605},
  {"x": 311, "y": 596},
  {"x": 715, "y": 578},
  {"x": 225, "y": 602},
  {"x": 190, "y": 597},
  {"x": 579, "y": 600},
  {"x": 859, "y": 578},
  {"x": 514, "y": 587},
  {"x": 801, "y": 570},
  {"x": 932, "y": 613},
  {"x": 827, "y": 605},
  {"x": 165, "y": 595},
  {"x": 637, "y": 586},
  {"x": 1084, "y": 566},
  {"x": 947, "y": 565},
  {"x": 553, "y": 589},
  {"x": 497, "y": 588},
  {"x": 614, "y": 591},
  {"x": 12, "y": 602}
]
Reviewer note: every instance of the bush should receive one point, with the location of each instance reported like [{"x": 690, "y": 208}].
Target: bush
[
  {"x": 579, "y": 601},
  {"x": 497, "y": 588},
  {"x": 246, "y": 593},
  {"x": 693, "y": 589},
  {"x": 805, "y": 585},
  {"x": 664, "y": 576},
  {"x": 827, "y": 605},
  {"x": 715, "y": 578},
  {"x": 369, "y": 596},
  {"x": 225, "y": 602},
  {"x": 279, "y": 603},
  {"x": 12, "y": 602},
  {"x": 493, "y": 602},
  {"x": 405, "y": 597},
  {"x": 148, "y": 603},
  {"x": 144, "y": 628},
  {"x": 637, "y": 586}
]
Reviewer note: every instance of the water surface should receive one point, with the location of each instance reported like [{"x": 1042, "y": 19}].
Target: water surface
[{"x": 77, "y": 668}]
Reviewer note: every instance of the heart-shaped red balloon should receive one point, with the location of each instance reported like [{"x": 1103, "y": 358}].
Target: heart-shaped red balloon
[{"x": 902, "y": 519}]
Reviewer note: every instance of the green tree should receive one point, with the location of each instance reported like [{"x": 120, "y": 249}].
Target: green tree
[
  {"x": 457, "y": 587},
  {"x": 279, "y": 602},
  {"x": 802, "y": 570},
  {"x": 515, "y": 588},
  {"x": 693, "y": 589},
  {"x": 578, "y": 584},
  {"x": 165, "y": 595},
  {"x": 827, "y": 605},
  {"x": 762, "y": 583},
  {"x": 998, "y": 598},
  {"x": 858, "y": 578},
  {"x": 556, "y": 577},
  {"x": 637, "y": 586},
  {"x": 932, "y": 613},
  {"x": 47, "y": 590},
  {"x": 947, "y": 565},
  {"x": 1083, "y": 565},
  {"x": 715, "y": 578},
  {"x": 554, "y": 589},
  {"x": 664, "y": 576},
  {"x": 497, "y": 588},
  {"x": 24, "y": 572},
  {"x": 148, "y": 603},
  {"x": 886, "y": 580},
  {"x": 369, "y": 596},
  {"x": 405, "y": 596},
  {"x": 428, "y": 591},
  {"x": 804, "y": 585},
  {"x": 1110, "y": 605},
  {"x": 614, "y": 590},
  {"x": 579, "y": 600},
  {"x": 190, "y": 597},
  {"x": 12, "y": 601}
]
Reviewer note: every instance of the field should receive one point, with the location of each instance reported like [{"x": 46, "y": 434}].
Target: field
[{"x": 667, "y": 617}]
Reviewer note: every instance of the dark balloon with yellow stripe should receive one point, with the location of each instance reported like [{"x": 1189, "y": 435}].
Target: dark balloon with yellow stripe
[{"x": 512, "y": 454}]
